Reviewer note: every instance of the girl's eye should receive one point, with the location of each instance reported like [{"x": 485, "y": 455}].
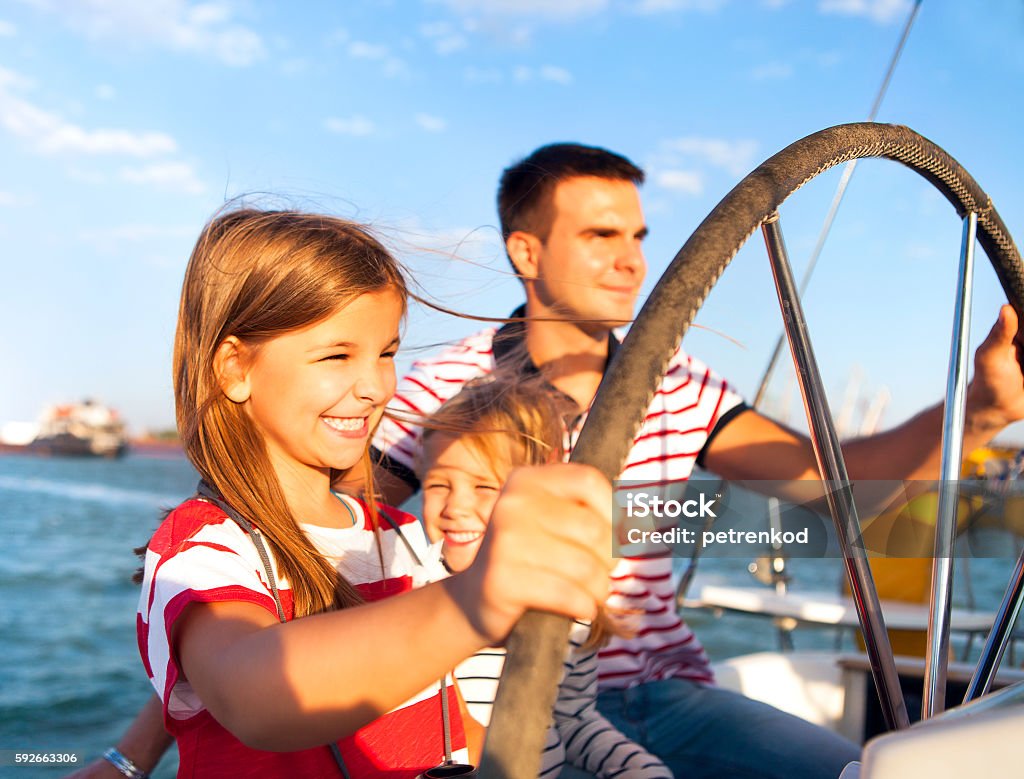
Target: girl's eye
[
  {"x": 336, "y": 357},
  {"x": 389, "y": 355},
  {"x": 435, "y": 486},
  {"x": 488, "y": 487}
]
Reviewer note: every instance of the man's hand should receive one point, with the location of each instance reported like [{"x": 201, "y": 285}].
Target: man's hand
[{"x": 995, "y": 397}]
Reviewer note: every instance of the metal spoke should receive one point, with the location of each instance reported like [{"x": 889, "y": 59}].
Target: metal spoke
[
  {"x": 838, "y": 493},
  {"x": 999, "y": 636},
  {"x": 936, "y": 661}
]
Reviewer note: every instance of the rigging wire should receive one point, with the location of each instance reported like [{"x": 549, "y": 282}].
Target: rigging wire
[{"x": 836, "y": 200}]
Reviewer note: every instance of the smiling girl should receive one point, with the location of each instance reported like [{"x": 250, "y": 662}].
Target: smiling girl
[
  {"x": 470, "y": 446},
  {"x": 266, "y": 620}
]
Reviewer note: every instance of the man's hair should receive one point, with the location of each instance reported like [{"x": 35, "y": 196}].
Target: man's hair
[{"x": 527, "y": 187}]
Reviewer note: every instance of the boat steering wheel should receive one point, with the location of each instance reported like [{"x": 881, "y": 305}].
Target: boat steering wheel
[{"x": 535, "y": 648}]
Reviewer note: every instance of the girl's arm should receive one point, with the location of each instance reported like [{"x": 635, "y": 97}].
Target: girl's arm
[
  {"x": 291, "y": 686},
  {"x": 591, "y": 742},
  {"x": 144, "y": 743}
]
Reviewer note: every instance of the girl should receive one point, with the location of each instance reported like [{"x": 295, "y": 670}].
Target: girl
[
  {"x": 266, "y": 621},
  {"x": 470, "y": 445}
]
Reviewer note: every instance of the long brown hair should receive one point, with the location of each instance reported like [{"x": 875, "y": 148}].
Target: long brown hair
[{"x": 255, "y": 275}]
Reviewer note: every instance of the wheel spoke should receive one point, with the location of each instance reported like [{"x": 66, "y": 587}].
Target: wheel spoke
[
  {"x": 838, "y": 492},
  {"x": 934, "y": 698}
]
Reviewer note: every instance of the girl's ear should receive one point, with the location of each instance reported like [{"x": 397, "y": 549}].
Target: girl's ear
[
  {"x": 231, "y": 369},
  {"x": 523, "y": 250}
]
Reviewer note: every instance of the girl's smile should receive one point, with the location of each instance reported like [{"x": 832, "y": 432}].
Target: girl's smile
[
  {"x": 351, "y": 427},
  {"x": 460, "y": 488}
]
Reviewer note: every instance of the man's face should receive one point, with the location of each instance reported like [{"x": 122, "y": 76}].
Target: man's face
[{"x": 592, "y": 265}]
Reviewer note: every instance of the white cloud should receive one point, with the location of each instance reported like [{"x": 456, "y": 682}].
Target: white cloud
[
  {"x": 444, "y": 37},
  {"x": 881, "y": 11},
  {"x": 378, "y": 52},
  {"x": 367, "y": 51},
  {"x": 552, "y": 73},
  {"x": 556, "y": 74},
  {"x": 49, "y": 133},
  {"x": 736, "y": 157},
  {"x": 70, "y": 138},
  {"x": 175, "y": 176},
  {"x": 357, "y": 125},
  {"x": 8, "y": 78},
  {"x": 7, "y": 30},
  {"x": 685, "y": 164},
  {"x": 204, "y": 28},
  {"x": 563, "y": 10},
  {"x": 9, "y": 199},
  {"x": 689, "y": 182},
  {"x": 662, "y": 6},
  {"x": 772, "y": 71},
  {"x": 432, "y": 124},
  {"x": 105, "y": 92}
]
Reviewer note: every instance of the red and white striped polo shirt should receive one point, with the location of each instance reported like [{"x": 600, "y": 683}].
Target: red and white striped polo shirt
[
  {"x": 687, "y": 406},
  {"x": 200, "y": 555}
]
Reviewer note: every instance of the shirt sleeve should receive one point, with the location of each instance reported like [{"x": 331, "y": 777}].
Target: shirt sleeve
[
  {"x": 591, "y": 742},
  {"x": 196, "y": 556}
]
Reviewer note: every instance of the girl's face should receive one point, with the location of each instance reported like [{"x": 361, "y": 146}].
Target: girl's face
[
  {"x": 316, "y": 393},
  {"x": 460, "y": 487}
]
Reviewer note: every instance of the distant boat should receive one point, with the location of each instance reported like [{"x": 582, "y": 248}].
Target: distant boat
[{"x": 86, "y": 429}]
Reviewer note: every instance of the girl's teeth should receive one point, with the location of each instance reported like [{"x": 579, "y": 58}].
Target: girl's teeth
[
  {"x": 464, "y": 537},
  {"x": 349, "y": 424}
]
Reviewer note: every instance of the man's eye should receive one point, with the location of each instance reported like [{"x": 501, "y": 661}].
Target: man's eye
[
  {"x": 435, "y": 486},
  {"x": 336, "y": 357},
  {"x": 488, "y": 487}
]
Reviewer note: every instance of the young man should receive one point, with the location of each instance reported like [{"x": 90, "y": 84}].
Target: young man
[{"x": 573, "y": 229}]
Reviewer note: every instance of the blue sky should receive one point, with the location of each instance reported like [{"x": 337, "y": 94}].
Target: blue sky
[{"x": 125, "y": 125}]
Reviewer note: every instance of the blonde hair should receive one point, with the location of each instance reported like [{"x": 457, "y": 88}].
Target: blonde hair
[
  {"x": 256, "y": 275},
  {"x": 511, "y": 422}
]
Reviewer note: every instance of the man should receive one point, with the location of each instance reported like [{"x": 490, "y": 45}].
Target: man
[{"x": 573, "y": 228}]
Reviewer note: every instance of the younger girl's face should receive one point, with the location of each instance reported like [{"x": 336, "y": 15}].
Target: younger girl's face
[
  {"x": 316, "y": 393},
  {"x": 460, "y": 487}
]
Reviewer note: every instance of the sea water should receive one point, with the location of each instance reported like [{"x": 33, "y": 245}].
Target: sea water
[{"x": 70, "y": 675}]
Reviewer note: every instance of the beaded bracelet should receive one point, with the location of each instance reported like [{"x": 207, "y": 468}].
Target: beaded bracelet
[{"x": 123, "y": 764}]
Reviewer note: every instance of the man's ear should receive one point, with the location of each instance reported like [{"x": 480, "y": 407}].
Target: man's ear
[
  {"x": 230, "y": 366},
  {"x": 524, "y": 252}
]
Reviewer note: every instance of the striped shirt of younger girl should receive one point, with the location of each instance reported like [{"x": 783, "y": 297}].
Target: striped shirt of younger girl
[
  {"x": 470, "y": 445},
  {"x": 278, "y": 618}
]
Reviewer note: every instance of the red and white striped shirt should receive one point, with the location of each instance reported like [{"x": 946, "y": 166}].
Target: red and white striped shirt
[
  {"x": 199, "y": 555},
  {"x": 688, "y": 405}
]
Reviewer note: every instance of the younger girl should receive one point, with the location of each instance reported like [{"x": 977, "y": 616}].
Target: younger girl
[
  {"x": 265, "y": 619},
  {"x": 470, "y": 445}
]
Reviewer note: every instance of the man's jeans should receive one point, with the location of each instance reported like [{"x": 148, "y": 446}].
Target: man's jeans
[{"x": 710, "y": 732}]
